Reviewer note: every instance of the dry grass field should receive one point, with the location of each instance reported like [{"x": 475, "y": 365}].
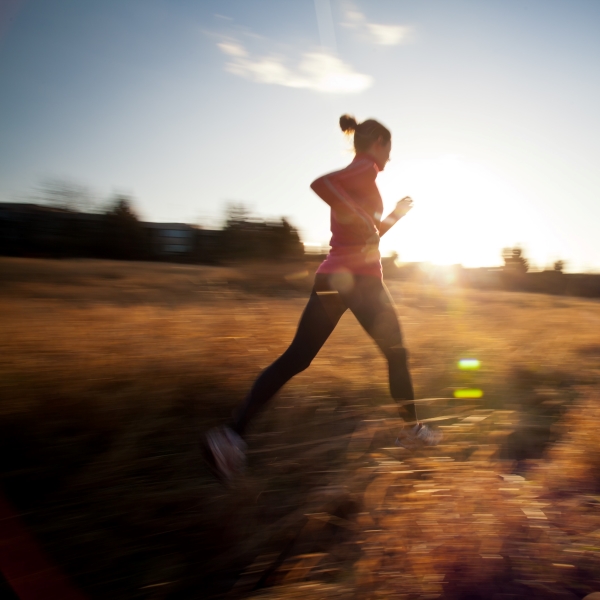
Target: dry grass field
[{"x": 110, "y": 372}]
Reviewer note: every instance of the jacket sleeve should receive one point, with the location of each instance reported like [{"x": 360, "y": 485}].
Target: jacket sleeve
[{"x": 330, "y": 188}]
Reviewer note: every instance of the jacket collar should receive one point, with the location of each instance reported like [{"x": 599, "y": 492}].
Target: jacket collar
[{"x": 367, "y": 156}]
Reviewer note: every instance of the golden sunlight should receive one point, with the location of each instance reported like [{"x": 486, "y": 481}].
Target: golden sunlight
[{"x": 464, "y": 213}]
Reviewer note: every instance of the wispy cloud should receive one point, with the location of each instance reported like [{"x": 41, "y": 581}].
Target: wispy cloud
[
  {"x": 382, "y": 34},
  {"x": 389, "y": 35},
  {"x": 318, "y": 71},
  {"x": 233, "y": 49}
]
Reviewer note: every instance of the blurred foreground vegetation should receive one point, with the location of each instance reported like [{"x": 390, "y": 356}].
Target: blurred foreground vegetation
[{"x": 111, "y": 371}]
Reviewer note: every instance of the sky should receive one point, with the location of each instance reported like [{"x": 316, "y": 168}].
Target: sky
[{"x": 188, "y": 105}]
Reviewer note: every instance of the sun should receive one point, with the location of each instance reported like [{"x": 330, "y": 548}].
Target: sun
[{"x": 464, "y": 212}]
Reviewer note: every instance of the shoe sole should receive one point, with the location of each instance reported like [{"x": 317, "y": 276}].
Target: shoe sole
[{"x": 211, "y": 463}]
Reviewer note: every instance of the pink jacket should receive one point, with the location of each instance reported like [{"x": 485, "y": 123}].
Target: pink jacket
[{"x": 356, "y": 208}]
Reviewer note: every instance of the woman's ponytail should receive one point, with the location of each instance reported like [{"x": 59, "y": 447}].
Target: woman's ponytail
[
  {"x": 365, "y": 133},
  {"x": 348, "y": 124}
]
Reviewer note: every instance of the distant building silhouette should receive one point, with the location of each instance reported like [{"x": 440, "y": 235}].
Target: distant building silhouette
[{"x": 171, "y": 239}]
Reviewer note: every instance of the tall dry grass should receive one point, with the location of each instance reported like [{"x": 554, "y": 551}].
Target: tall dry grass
[{"x": 110, "y": 372}]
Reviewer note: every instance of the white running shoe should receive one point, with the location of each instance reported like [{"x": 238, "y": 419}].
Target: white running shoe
[
  {"x": 418, "y": 436},
  {"x": 227, "y": 451}
]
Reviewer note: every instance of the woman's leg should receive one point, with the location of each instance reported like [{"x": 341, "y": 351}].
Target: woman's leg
[
  {"x": 321, "y": 315},
  {"x": 373, "y": 306}
]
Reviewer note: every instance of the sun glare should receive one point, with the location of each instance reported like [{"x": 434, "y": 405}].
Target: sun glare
[{"x": 464, "y": 213}]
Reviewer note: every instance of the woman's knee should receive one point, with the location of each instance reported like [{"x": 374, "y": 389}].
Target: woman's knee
[{"x": 397, "y": 355}]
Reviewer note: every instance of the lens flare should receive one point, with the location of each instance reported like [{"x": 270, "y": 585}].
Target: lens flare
[
  {"x": 468, "y": 364},
  {"x": 468, "y": 393}
]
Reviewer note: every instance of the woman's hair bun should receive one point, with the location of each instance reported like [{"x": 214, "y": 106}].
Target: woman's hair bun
[{"x": 348, "y": 124}]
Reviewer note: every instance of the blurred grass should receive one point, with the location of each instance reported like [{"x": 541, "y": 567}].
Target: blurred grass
[{"x": 111, "y": 371}]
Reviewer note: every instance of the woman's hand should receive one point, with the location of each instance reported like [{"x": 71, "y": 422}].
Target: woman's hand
[{"x": 403, "y": 206}]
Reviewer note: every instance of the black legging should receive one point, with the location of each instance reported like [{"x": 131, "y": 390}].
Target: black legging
[{"x": 370, "y": 302}]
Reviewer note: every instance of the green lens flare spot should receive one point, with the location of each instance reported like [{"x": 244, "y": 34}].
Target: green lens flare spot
[
  {"x": 468, "y": 364},
  {"x": 468, "y": 393}
]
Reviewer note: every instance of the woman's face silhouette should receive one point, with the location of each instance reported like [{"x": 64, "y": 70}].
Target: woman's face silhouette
[{"x": 380, "y": 151}]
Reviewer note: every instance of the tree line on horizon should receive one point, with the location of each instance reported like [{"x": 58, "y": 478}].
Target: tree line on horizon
[{"x": 65, "y": 222}]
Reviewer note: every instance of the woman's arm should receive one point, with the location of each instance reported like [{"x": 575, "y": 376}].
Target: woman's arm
[
  {"x": 330, "y": 188},
  {"x": 402, "y": 207}
]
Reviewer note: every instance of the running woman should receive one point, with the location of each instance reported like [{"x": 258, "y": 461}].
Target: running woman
[{"x": 349, "y": 278}]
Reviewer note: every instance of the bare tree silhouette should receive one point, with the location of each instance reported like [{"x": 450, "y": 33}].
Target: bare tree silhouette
[
  {"x": 65, "y": 194},
  {"x": 514, "y": 260}
]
